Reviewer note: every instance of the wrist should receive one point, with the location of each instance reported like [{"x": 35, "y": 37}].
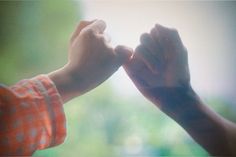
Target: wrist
[
  {"x": 63, "y": 82},
  {"x": 174, "y": 100}
]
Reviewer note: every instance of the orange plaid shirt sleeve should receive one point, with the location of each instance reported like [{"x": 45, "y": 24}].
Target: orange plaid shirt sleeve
[{"x": 31, "y": 116}]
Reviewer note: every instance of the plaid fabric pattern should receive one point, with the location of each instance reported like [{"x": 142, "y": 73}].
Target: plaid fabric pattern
[{"x": 31, "y": 116}]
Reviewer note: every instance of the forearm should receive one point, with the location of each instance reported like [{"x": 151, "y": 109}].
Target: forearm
[
  {"x": 231, "y": 136},
  {"x": 64, "y": 84},
  {"x": 205, "y": 126},
  {"x": 208, "y": 128}
]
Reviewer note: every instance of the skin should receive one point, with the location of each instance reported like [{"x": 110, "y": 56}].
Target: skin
[
  {"x": 90, "y": 61},
  {"x": 159, "y": 69}
]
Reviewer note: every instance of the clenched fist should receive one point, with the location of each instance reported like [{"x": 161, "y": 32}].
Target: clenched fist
[
  {"x": 159, "y": 66},
  {"x": 91, "y": 61}
]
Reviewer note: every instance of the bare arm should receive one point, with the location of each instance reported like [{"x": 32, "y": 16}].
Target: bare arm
[
  {"x": 159, "y": 69},
  {"x": 209, "y": 129}
]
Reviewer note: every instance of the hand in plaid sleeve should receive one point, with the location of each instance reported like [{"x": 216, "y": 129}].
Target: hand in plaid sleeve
[
  {"x": 91, "y": 61},
  {"x": 31, "y": 113}
]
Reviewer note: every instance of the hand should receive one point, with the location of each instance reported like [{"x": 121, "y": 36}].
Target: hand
[
  {"x": 159, "y": 66},
  {"x": 91, "y": 61},
  {"x": 159, "y": 69}
]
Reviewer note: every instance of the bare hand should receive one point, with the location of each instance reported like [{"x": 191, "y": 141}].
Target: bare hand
[
  {"x": 91, "y": 61},
  {"x": 159, "y": 66}
]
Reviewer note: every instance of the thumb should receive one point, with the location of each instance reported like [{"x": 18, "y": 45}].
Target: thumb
[
  {"x": 123, "y": 54},
  {"x": 81, "y": 25},
  {"x": 97, "y": 26}
]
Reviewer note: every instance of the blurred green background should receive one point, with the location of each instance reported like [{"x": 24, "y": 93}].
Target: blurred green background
[{"x": 34, "y": 39}]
